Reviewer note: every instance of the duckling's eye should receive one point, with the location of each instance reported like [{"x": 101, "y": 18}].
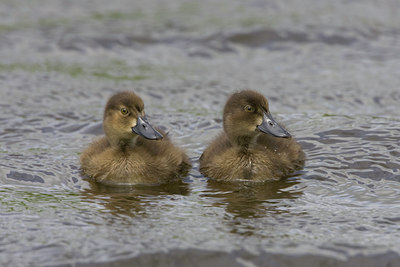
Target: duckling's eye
[
  {"x": 249, "y": 108},
  {"x": 124, "y": 111}
]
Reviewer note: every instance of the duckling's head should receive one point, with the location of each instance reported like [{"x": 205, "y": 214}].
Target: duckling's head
[
  {"x": 124, "y": 120},
  {"x": 246, "y": 115}
]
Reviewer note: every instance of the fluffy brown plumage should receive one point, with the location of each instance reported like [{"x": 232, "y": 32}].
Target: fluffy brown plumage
[
  {"x": 132, "y": 151},
  {"x": 253, "y": 146}
]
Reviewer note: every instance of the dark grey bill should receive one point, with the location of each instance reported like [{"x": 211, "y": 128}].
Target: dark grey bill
[
  {"x": 143, "y": 128},
  {"x": 270, "y": 126}
]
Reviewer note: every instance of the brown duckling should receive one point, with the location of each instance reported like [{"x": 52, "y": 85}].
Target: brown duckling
[
  {"x": 132, "y": 151},
  {"x": 253, "y": 146}
]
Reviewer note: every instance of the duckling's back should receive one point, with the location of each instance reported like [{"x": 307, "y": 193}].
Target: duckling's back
[
  {"x": 269, "y": 158},
  {"x": 148, "y": 162}
]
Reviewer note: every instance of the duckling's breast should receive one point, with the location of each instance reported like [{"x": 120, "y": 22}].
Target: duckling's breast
[{"x": 247, "y": 166}]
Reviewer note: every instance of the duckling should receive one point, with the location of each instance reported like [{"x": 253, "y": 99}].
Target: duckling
[
  {"x": 253, "y": 146},
  {"x": 132, "y": 151}
]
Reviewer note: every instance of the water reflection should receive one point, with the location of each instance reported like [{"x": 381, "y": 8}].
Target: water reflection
[
  {"x": 250, "y": 200},
  {"x": 135, "y": 200}
]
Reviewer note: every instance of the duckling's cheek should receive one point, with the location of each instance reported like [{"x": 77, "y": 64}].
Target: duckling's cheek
[
  {"x": 133, "y": 122},
  {"x": 258, "y": 122}
]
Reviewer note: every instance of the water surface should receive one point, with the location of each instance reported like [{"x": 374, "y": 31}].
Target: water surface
[{"x": 331, "y": 72}]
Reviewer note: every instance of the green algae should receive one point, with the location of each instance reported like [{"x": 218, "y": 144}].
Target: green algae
[
  {"x": 17, "y": 200},
  {"x": 76, "y": 70},
  {"x": 47, "y": 67},
  {"x": 109, "y": 76},
  {"x": 336, "y": 115},
  {"x": 118, "y": 15}
]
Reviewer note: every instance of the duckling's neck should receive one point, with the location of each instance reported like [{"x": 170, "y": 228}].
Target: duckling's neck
[
  {"x": 244, "y": 142},
  {"x": 123, "y": 144}
]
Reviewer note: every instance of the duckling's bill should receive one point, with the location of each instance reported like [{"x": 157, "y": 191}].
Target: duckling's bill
[
  {"x": 144, "y": 128},
  {"x": 270, "y": 126}
]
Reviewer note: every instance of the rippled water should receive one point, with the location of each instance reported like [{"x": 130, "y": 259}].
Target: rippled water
[{"x": 330, "y": 70}]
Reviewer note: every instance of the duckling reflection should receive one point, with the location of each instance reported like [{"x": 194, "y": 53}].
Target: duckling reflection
[
  {"x": 253, "y": 146},
  {"x": 132, "y": 151},
  {"x": 249, "y": 199},
  {"x": 135, "y": 200}
]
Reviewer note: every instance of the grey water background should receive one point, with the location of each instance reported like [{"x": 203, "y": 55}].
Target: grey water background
[{"x": 330, "y": 69}]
